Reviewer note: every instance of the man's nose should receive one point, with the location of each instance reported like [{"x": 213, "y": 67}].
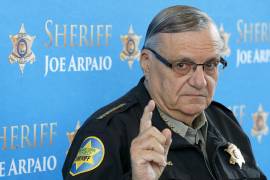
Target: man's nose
[{"x": 197, "y": 79}]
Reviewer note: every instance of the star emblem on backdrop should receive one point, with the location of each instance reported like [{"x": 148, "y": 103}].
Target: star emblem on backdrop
[
  {"x": 260, "y": 127},
  {"x": 22, "y": 52},
  {"x": 130, "y": 50}
]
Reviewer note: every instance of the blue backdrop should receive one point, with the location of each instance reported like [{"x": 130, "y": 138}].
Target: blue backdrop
[{"x": 60, "y": 61}]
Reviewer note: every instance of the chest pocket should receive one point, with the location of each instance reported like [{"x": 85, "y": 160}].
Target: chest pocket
[
  {"x": 246, "y": 172},
  {"x": 233, "y": 172},
  {"x": 171, "y": 173}
]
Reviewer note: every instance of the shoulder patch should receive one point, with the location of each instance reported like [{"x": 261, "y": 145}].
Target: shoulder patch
[
  {"x": 111, "y": 110},
  {"x": 89, "y": 157}
]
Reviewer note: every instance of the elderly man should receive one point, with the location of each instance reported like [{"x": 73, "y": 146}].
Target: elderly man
[{"x": 167, "y": 127}]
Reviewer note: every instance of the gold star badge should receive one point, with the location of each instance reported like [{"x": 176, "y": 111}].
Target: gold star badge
[
  {"x": 236, "y": 155},
  {"x": 86, "y": 155},
  {"x": 22, "y": 52},
  {"x": 130, "y": 50}
]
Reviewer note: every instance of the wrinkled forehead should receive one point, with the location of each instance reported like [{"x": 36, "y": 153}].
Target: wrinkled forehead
[{"x": 207, "y": 39}]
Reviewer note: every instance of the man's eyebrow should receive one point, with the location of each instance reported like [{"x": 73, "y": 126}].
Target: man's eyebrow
[
  {"x": 183, "y": 59},
  {"x": 190, "y": 60},
  {"x": 217, "y": 58}
]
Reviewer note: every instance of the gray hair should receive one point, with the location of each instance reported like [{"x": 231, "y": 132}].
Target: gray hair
[{"x": 176, "y": 19}]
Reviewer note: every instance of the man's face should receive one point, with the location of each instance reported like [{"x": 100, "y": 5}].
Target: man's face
[{"x": 187, "y": 94}]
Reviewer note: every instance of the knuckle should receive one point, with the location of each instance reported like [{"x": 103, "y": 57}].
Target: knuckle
[
  {"x": 134, "y": 143},
  {"x": 158, "y": 135},
  {"x": 160, "y": 149},
  {"x": 154, "y": 130},
  {"x": 152, "y": 139},
  {"x": 133, "y": 149}
]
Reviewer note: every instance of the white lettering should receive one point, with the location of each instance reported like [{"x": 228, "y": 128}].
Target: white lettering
[
  {"x": 80, "y": 64},
  {"x": 256, "y": 56},
  {"x": 12, "y": 169},
  {"x": 54, "y": 64},
  {"x": 62, "y": 64},
  {"x": 30, "y": 165},
  {"x": 243, "y": 57},
  {"x": 51, "y": 163},
  {"x": 37, "y": 167},
  {"x": 107, "y": 63},
  {"x": 22, "y": 169},
  {"x": 72, "y": 64},
  {"x": 2, "y": 169}
]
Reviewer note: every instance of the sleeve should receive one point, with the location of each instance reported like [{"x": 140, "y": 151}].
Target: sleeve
[
  {"x": 96, "y": 155},
  {"x": 262, "y": 175}
]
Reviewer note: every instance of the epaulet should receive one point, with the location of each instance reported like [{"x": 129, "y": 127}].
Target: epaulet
[
  {"x": 226, "y": 110},
  {"x": 221, "y": 106},
  {"x": 113, "y": 109},
  {"x": 106, "y": 113}
]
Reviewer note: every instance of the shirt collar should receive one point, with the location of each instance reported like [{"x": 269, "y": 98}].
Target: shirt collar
[{"x": 200, "y": 123}]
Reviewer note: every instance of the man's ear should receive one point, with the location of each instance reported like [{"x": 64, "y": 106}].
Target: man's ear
[{"x": 145, "y": 62}]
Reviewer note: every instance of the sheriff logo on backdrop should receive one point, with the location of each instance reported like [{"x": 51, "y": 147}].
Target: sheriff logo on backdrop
[
  {"x": 22, "y": 52},
  {"x": 260, "y": 127},
  {"x": 130, "y": 50}
]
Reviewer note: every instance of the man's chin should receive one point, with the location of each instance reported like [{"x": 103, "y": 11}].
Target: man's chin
[{"x": 193, "y": 109}]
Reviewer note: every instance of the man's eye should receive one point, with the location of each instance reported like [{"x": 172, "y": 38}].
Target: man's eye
[
  {"x": 182, "y": 66},
  {"x": 211, "y": 65}
]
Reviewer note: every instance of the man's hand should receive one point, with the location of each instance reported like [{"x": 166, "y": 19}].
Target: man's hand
[{"x": 150, "y": 148}]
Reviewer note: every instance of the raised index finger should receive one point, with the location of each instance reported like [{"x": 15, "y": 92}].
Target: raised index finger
[{"x": 146, "y": 119}]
